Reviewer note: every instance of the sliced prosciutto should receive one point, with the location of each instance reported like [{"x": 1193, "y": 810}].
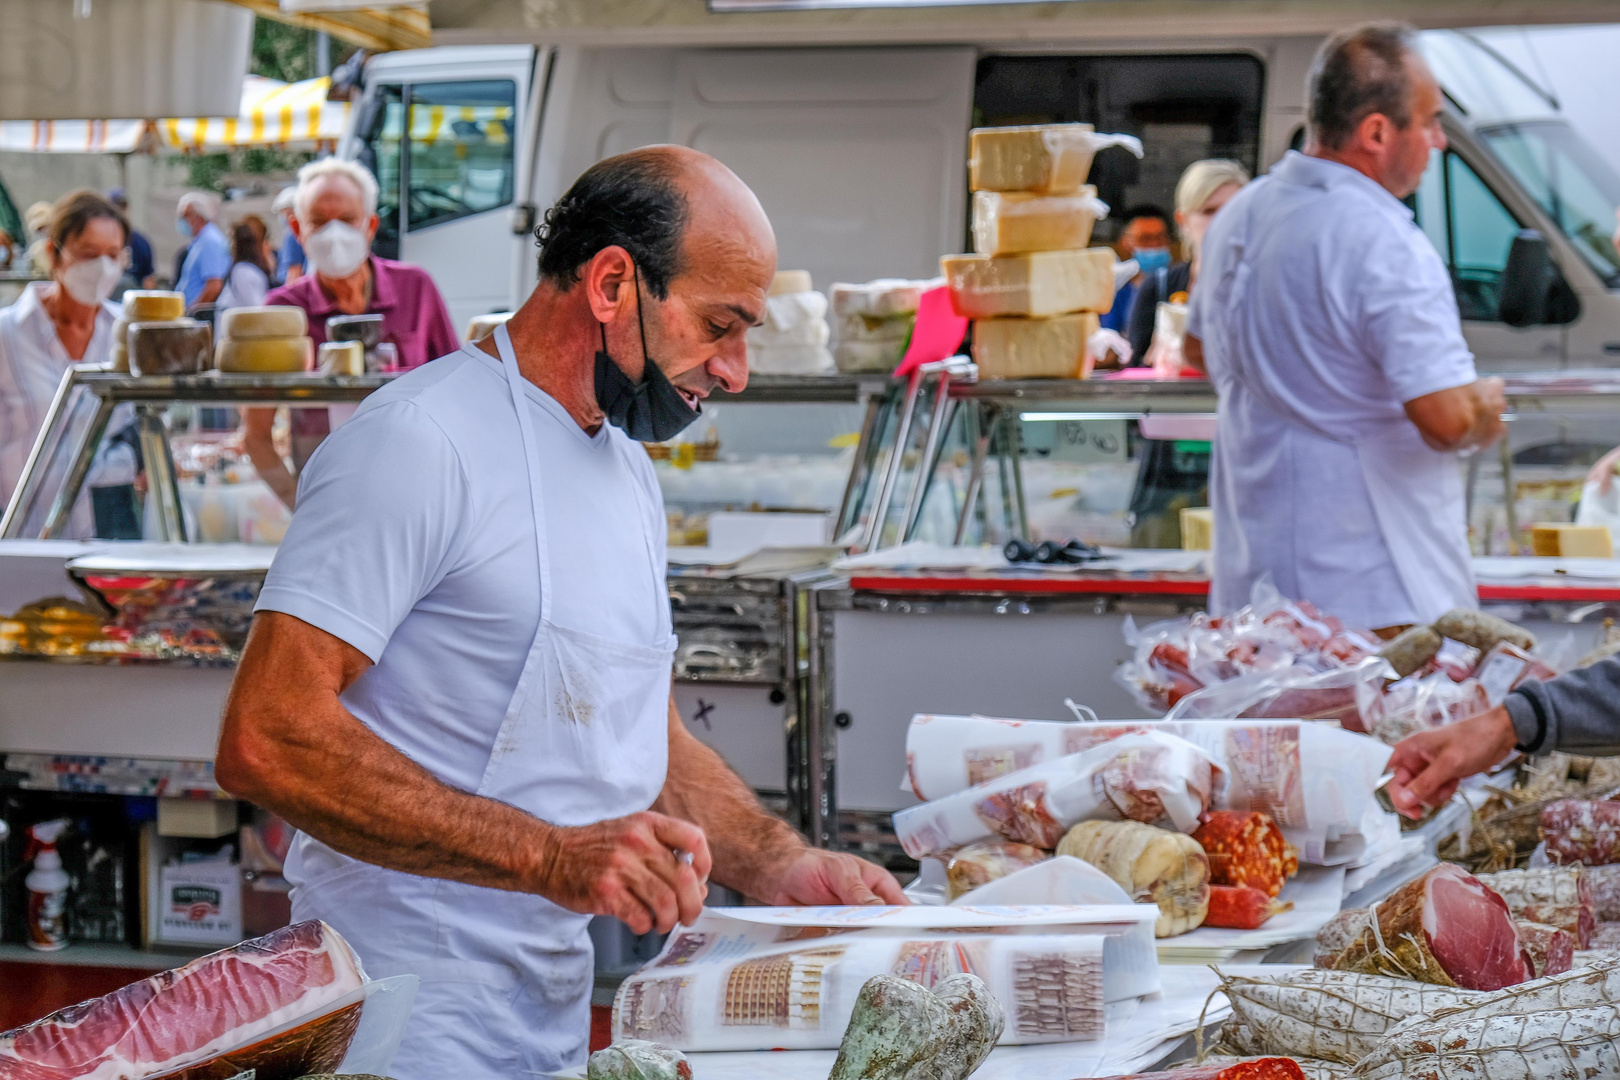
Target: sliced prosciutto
[
  {"x": 210, "y": 1016},
  {"x": 1446, "y": 928}
]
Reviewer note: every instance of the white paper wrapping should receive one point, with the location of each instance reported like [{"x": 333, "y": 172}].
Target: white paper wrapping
[
  {"x": 760, "y": 978},
  {"x": 1145, "y": 776},
  {"x": 1314, "y": 779}
]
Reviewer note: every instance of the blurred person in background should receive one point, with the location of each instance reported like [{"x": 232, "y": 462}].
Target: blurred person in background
[
  {"x": 290, "y": 257},
  {"x": 1203, "y": 189},
  {"x": 1144, "y": 236},
  {"x": 141, "y": 272},
  {"x": 1328, "y": 324},
  {"x": 208, "y": 255},
  {"x": 38, "y": 220},
  {"x": 248, "y": 280},
  {"x": 59, "y": 322},
  {"x": 335, "y": 218},
  {"x": 8, "y": 250}
]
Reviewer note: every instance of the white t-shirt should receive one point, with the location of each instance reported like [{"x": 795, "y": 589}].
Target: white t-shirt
[
  {"x": 245, "y": 286},
  {"x": 414, "y": 542},
  {"x": 1323, "y": 308}
]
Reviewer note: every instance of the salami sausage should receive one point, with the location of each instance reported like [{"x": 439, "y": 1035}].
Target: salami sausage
[
  {"x": 1270, "y": 1068},
  {"x": 1245, "y": 847},
  {"x": 1241, "y": 907},
  {"x": 1579, "y": 831}
]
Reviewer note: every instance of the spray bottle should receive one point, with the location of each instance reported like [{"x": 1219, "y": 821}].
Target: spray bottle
[{"x": 47, "y": 888}]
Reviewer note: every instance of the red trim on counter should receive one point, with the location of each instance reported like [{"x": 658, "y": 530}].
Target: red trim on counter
[{"x": 1047, "y": 586}]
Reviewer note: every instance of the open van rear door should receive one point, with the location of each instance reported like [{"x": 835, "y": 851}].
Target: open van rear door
[{"x": 858, "y": 155}]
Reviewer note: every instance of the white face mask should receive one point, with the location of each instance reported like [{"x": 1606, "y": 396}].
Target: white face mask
[
  {"x": 92, "y": 280},
  {"x": 336, "y": 249}
]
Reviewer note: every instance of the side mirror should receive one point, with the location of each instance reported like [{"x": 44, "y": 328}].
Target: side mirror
[{"x": 1532, "y": 292}]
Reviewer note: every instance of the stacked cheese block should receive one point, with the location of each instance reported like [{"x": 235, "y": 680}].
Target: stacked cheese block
[
  {"x": 793, "y": 338},
  {"x": 264, "y": 339},
  {"x": 146, "y": 307},
  {"x": 1558, "y": 540},
  {"x": 873, "y": 322},
  {"x": 1033, "y": 288}
]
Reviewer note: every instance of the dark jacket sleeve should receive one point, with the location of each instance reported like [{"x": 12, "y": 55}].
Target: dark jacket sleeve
[
  {"x": 1578, "y": 712},
  {"x": 1145, "y": 309}
]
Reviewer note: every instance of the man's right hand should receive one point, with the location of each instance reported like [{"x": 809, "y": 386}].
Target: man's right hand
[
  {"x": 1428, "y": 765},
  {"x": 628, "y": 868}
]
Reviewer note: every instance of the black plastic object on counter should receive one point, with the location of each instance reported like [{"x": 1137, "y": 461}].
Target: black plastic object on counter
[{"x": 1047, "y": 551}]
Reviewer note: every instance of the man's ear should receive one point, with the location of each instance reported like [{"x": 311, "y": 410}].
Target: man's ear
[{"x": 609, "y": 280}]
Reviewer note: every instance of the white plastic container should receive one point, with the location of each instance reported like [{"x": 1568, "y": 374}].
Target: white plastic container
[{"x": 47, "y": 885}]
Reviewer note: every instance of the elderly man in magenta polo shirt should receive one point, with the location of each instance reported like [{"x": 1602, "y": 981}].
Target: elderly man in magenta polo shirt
[{"x": 335, "y": 218}]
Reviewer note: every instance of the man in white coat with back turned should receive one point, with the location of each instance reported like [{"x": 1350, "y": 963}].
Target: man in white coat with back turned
[
  {"x": 457, "y": 685},
  {"x": 1328, "y": 324}
]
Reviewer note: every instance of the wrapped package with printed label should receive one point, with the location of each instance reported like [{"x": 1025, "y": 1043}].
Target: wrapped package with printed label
[
  {"x": 766, "y": 978},
  {"x": 1314, "y": 780},
  {"x": 1011, "y": 222},
  {"x": 1045, "y": 157},
  {"x": 1148, "y": 777},
  {"x": 1038, "y": 283}
]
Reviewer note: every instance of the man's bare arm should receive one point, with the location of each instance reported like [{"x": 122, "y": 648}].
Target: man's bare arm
[
  {"x": 1461, "y": 418},
  {"x": 260, "y": 444},
  {"x": 756, "y": 853},
  {"x": 211, "y": 290},
  {"x": 288, "y": 745}
]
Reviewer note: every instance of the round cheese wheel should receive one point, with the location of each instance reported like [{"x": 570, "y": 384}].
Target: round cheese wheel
[
  {"x": 263, "y": 354},
  {"x": 150, "y": 305},
  {"x": 173, "y": 347},
  {"x": 254, "y": 323},
  {"x": 120, "y": 330},
  {"x": 790, "y": 281}
]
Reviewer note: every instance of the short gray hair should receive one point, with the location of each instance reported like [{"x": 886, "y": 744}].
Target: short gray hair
[
  {"x": 316, "y": 171},
  {"x": 203, "y": 203},
  {"x": 1203, "y": 179},
  {"x": 1358, "y": 72}
]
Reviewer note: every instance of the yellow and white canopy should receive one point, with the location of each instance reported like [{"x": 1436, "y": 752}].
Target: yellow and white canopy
[{"x": 288, "y": 116}]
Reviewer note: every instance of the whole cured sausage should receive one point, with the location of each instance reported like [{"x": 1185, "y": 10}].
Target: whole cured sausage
[
  {"x": 1268, "y": 1068},
  {"x": 1580, "y": 831},
  {"x": 1245, "y": 847},
  {"x": 1241, "y": 907}
]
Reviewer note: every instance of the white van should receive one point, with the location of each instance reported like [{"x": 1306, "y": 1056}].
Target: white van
[{"x": 858, "y": 155}]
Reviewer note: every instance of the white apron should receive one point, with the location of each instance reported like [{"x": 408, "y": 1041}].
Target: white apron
[
  {"x": 1416, "y": 492},
  {"x": 506, "y": 977}
]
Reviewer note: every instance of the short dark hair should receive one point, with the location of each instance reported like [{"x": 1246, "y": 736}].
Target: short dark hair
[
  {"x": 1358, "y": 72},
  {"x": 1142, "y": 210},
  {"x": 74, "y": 211},
  {"x": 631, "y": 201}
]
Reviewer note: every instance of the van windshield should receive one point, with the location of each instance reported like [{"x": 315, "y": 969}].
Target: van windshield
[{"x": 1575, "y": 187}]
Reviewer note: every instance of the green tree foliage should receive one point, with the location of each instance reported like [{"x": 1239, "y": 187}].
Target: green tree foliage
[{"x": 282, "y": 52}]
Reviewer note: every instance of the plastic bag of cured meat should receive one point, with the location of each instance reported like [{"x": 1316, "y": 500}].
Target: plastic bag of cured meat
[
  {"x": 1264, "y": 764},
  {"x": 291, "y": 1003},
  {"x": 1293, "y": 693},
  {"x": 1147, "y": 778}
]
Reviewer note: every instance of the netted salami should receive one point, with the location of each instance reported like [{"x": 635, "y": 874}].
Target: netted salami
[
  {"x": 1332, "y": 1015},
  {"x": 1603, "y": 882},
  {"x": 1246, "y": 848},
  {"x": 1582, "y": 831},
  {"x": 1271, "y": 1068}
]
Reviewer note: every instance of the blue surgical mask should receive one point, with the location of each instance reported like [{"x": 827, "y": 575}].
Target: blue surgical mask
[
  {"x": 1152, "y": 260},
  {"x": 183, "y": 227}
]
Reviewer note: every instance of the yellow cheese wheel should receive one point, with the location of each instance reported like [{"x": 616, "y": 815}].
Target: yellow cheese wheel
[
  {"x": 263, "y": 354},
  {"x": 255, "y": 323},
  {"x": 149, "y": 305}
]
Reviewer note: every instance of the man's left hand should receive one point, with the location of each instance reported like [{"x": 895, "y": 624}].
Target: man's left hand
[{"x": 824, "y": 877}]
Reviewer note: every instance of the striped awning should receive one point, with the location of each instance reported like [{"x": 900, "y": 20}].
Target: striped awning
[
  {"x": 377, "y": 29},
  {"x": 292, "y": 116},
  {"x": 288, "y": 116},
  {"x": 73, "y": 136}
]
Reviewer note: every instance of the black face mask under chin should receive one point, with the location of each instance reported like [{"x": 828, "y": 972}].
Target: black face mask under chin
[{"x": 650, "y": 411}]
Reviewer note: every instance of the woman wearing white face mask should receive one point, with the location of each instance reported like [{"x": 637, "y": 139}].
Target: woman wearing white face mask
[{"x": 57, "y": 323}]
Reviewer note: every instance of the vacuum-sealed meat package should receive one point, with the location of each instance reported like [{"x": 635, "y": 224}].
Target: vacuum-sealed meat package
[
  {"x": 1314, "y": 780},
  {"x": 1145, "y": 778}
]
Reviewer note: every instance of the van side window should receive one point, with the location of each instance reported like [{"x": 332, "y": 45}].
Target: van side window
[
  {"x": 1470, "y": 228},
  {"x": 461, "y": 156},
  {"x": 380, "y": 152}
]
